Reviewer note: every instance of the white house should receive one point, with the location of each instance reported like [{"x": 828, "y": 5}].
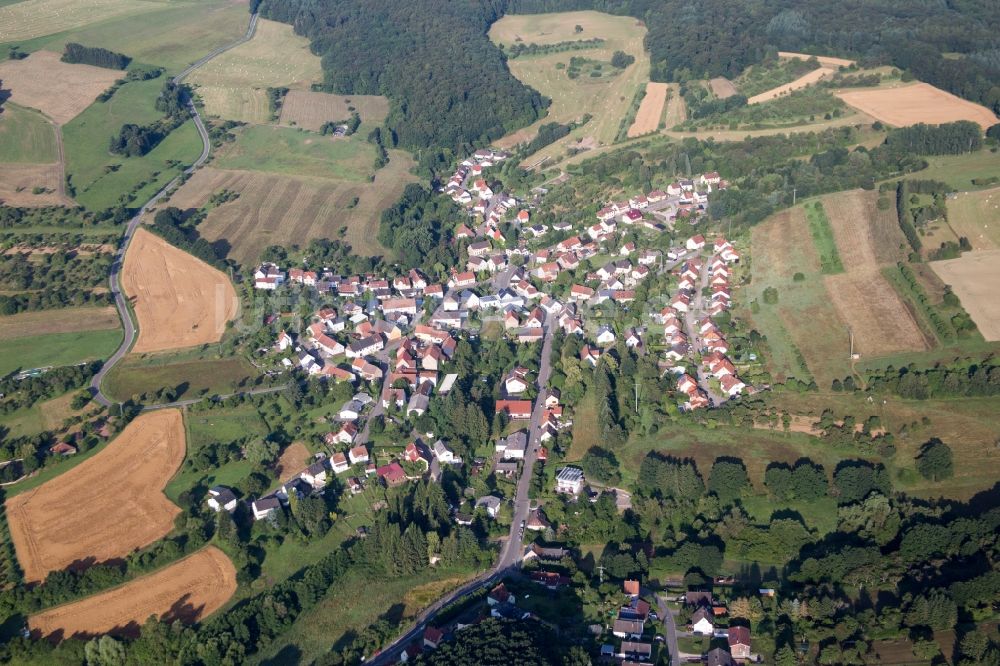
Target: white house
[
  {"x": 265, "y": 507},
  {"x": 491, "y": 504},
  {"x": 569, "y": 480},
  {"x": 605, "y": 336},
  {"x": 702, "y": 622},
  {"x": 220, "y": 497},
  {"x": 443, "y": 454}
]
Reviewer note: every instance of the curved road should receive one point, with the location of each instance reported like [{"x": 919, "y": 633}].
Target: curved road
[{"x": 121, "y": 302}]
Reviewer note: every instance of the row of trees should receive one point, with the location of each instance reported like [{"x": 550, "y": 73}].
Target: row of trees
[{"x": 93, "y": 55}]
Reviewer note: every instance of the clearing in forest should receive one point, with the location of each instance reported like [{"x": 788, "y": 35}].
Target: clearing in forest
[
  {"x": 179, "y": 300},
  {"x": 105, "y": 507},
  {"x": 974, "y": 278},
  {"x": 976, "y": 216},
  {"x": 826, "y": 61},
  {"x": 647, "y": 119},
  {"x": 59, "y": 90},
  {"x": 722, "y": 87},
  {"x": 187, "y": 590},
  {"x": 310, "y": 110},
  {"x": 917, "y": 103},
  {"x": 234, "y": 85}
]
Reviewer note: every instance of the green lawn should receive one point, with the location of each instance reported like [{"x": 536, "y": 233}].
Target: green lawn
[
  {"x": 57, "y": 349},
  {"x": 959, "y": 170},
  {"x": 822, "y": 235},
  {"x": 190, "y": 377},
  {"x": 26, "y": 136},
  {"x": 101, "y": 178},
  {"x": 299, "y": 153}
]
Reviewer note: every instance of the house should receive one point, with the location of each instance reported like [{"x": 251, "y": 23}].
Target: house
[
  {"x": 631, "y": 588},
  {"x": 479, "y": 249},
  {"x": 732, "y": 385},
  {"x": 62, "y": 449},
  {"x": 443, "y": 454},
  {"x": 631, "y": 629},
  {"x": 284, "y": 341},
  {"x": 491, "y": 503},
  {"x": 550, "y": 579},
  {"x": 392, "y": 474},
  {"x": 605, "y": 336},
  {"x": 718, "y": 657},
  {"x": 365, "y": 346},
  {"x": 506, "y": 468},
  {"x": 515, "y": 409},
  {"x": 513, "y": 446},
  {"x": 432, "y": 637},
  {"x": 569, "y": 480},
  {"x": 536, "y": 521},
  {"x": 698, "y": 598},
  {"x": 418, "y": 404},
  {"x": 695, "y": 242},
  {"x": 636, "y": 652},
  {"x": 351, "y": 411},
  {"x": 315, "y": 474},
  {"x": 220, "y": 497},
  {"x": 516, "y": 382},
  {"x": 265, "y": 507},
  {"x": 499, "y": 595},
  {"x": 530, "y": 334},
  {"x": 702, "y": 621},
  {"x": 268, "y": 276},
  {"x": 632, "y": 339},
  {"x": 358, "y": 454},
  {"x": 739, "y": 643}
]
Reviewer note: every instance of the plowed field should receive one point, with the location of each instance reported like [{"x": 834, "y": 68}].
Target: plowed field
[{"x": 647, "y": 119}]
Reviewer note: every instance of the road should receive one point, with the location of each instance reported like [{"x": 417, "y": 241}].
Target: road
[
  {"x": 671, "y": 630},
  {"x": 692, "y": 322},
  {"x": 510, "y": 553},
  {"x": 114, "y": 278}
]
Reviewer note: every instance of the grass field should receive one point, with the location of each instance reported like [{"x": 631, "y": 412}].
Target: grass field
[
  {"x": 26, "y": 20},
  {"x": 101, "y": 178},
  {"x": 606, "y": 99},
  {"x": 42, "y": 416},
  {"x": 822, "y": 235},
  {"x": 66, "y": 320},
  {"x": 722, "y": 87},
  {"x": 59, "y": 90},
  {"x": 959, "y": 171},
  {"x": 295, "y": 152},
  {"x": 26, "y": 136},
  {"x": 56, "y": 349},
  {"x": 234, "y": 85},
  {"x": 976, "y": 215},
  {"x": 168, "y": 34},
  {"x": 309, "y": 110},
  {"x": 190, "y": 377}
]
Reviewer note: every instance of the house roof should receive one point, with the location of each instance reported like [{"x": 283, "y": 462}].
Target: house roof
[{"x": 739, "y": 636}]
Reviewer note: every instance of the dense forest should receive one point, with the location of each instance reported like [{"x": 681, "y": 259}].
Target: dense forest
[{"x": 93, "y": 55}]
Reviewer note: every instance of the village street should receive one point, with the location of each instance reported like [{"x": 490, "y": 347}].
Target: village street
[{"x": 692, "y": 319}]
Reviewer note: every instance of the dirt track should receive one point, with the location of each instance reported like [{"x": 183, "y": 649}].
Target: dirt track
[
  {"x": 179, "y": 300},
  {"x": 105, "y": 507},
  {"x": 187, "y": 590},
  {"x": 917, "y": 103}
]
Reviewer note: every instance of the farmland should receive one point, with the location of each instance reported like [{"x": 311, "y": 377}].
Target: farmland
[
  {"x": 606, "y": 99},
  {"x": 59, "y": 90},
  {"x": 234, "y": 85},
  {"x": 56, "y": 349},
  {"x": 826, "y": 61},
  {"x": 67, "y": 320},
  {"x": 976, "y": 216},
  {"x": 18, "y": 183},
  {"x": 24, "y": 20},
  {"x": 179, "y": 300},
  {"x": 26, "y": 136},
  {"x": 188, "y": 378},
  {"x": 916, "y": 103},
  {"x": 295, "y": 152},
  {"x": 650, "y": 111},
  {"x": 802, "y": 82},
  {"x": 974, "y": 278},
  {"x": 187, "y": 590},
  {"x": 309, "y": 110},
  {"x": 72, "y": 521}
]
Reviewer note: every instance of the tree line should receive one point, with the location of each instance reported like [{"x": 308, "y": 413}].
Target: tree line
[
  {"x": 93, "y": 55},
  {"x": 136, "y": 140}
]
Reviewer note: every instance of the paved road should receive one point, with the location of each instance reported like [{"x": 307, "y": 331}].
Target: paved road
[
  {"x": 114, "y": 278},
  {"x": 671, "y": 630},
  {"x": 692, "y": 320}
]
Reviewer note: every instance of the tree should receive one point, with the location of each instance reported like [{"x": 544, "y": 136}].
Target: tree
[
  {"x": 727, "y": 479},
  {"x": 600, "y": 465},
  {"x": 621, "y": 60},
  {"x": 935, "y": 460},
  {"x": 262, "y": 452}
]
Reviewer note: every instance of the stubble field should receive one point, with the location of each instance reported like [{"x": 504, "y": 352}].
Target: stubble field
[
  {"x": 18, "y": 183},
  {"x": 917, "y": 103},
  {"x": 647, "y": 119},
  {"x": 59, "y": 90},
  {"x": 25, "y": 20},
  {"x": 974, "y": 278},
  {"x": 722, "y": 87},
  {"x": 179, "y": 301},
  {"x": 310, "y": 110},
  {"x": 826, "y": 61},
  {"x": 105, "y": 507},
  {"x": 188, "y": 590},
  {"x": 976, "y": 215}
]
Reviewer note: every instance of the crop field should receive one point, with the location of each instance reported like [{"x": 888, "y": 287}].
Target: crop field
[
  {"x": 974, "y": 278},
  {"x": 802, "y": 82},
  {"x": 189, "y": 378},
  {"x": 18, "y": 183},
  {"x": 26, "y": 136},
  {"x": 186, "y": 591},
  {"x": 67, "y": 320},
  {"x": 73, "y": 521},
  {"x": 606, "y": 99},
  {"x": 168, "y": 34},
  {"x": 976, "y": 215},
  {"x": 234, "y": 85},
  {"x": 822, "y": 235},
  {"x": 917, "y": 103},
  {"x": 59, "y": 90},
  {"x": 826, "y": 61},
  {"x": 309, "y": 110},
  {"x": 650, "y": 110},
  {"x": 293, "y": 460},
  {"x": 295, "y": 152},
  {"x": 34, "y": 18},
  {"x": 179, "y": 300}
]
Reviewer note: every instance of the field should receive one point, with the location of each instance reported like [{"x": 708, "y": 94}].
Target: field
[
  {"x": 188, "y": 378},
  {"x": 59, "y": 90},
  {"x": 606, "y": 99},
  {"x": 18, "y": 180},
  {"x": 802, "y": 82},
  {"x": 234, "y": 85},
  {"x": 179, "y": 301},
  {"x": 168, "y": 34},
  {"x": 187, "y": 590},
  {"x": 976, "y": 215},
  {"x": 66, "y": 320},
  {"x": 295, "y": 152},
  {"x": 676, "y": 111},
  {"x": 974, "y": 278},
  {"x": 25, "y": 20},
  {"x": 917, "y": 103},
  {"x": 57, "y": 349},
  {"x": 822, "y": 235},
  {"x": 74, "y": 520},
  {"x": 722, "y": 87},
  {"x": 293, "y": 460},
  {"x": 650, "y": 110},
  {"x": 826, "y": 61},
  {"x": 101, "y": 178},
  {"x": 26, "y": 136},
  {"x": 309, "y": 110}
]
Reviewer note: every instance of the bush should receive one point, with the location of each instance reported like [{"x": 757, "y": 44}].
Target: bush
[{"x": 935, "y": 461}]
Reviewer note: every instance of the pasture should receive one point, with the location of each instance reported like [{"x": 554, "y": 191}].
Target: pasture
[
  {"x": 21, "y": 21},
  {"x": 57, "y": 349},
  {"x": 295, "y": 152},
  {"x": 976, "y": 215},
  {"x": 59, "y": 90},
  {"x": 26, "y": 136},
  {"x": 73, "y": 521},
  {"x": 234, "y": 85},
  {"x": 189, "y": 378},
  {"x": 18, "y": 183},
  {"x": 67, "y": 320},
  {"x": 650, "y": 110},
  {"x": 186, "y": 591},
  {"x": 916, "y": 103},
  {"x": 722, "y": 87},
  {"x": 309, "y": 110},
  {"x": 974, "y": 278},
  {"x": 606, "y": 99},
  {"x": 179, "y": 300}
]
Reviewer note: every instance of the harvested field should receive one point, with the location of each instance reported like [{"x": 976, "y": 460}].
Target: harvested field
[
  {"x": 26, "y": 20},
  {"x": 866, "y": 237},
  {"x": 105, "y": 507},
  {"x": 187, "y": 590},
  {"x": 722, "y": 87},
  {"x": 59, "y": 90},
  {"x": 802, "y": 82},
  {"x": 917, "y": 103},
  {"x": 282, "y": 209},
  {"x": 293, "y": 460},
  {"x": 976, "y": 215},
  {"x": 65, "y": 320},
  {"x": 234, "y": 85},
  {"x": 974, "y": 278},
  {"x": 647, "y": 119},
  {"x": 310, "y": 110},
  {"x": 179, "y": 300},
  {"x": 17, "y": 182},
  {"x": 826, "y": 61}
]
